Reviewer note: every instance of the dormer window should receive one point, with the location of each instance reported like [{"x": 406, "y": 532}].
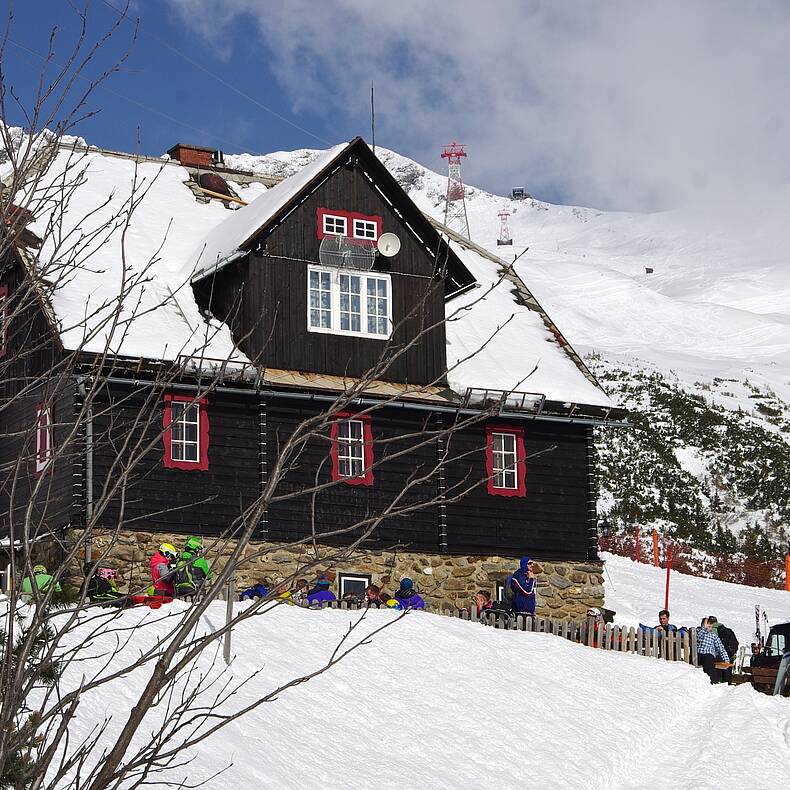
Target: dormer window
[
  {"x": 349, "y": 303},
  {"x": 335, "y": 225},
  {"x": 351, "y": 224}
]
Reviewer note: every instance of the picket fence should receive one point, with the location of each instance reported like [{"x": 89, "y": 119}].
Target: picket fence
[{"x": 603, "y": 636}]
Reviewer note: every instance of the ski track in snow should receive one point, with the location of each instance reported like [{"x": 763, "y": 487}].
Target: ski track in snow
[{"x": 434, "y": 702}]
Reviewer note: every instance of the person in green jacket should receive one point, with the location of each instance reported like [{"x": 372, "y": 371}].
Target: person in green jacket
[
  {"x": 192, "y": 569},
  {"x": 41, "y": 579}
]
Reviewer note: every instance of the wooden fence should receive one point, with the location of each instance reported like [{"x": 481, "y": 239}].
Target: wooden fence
[{"x": 604, "y": 636}]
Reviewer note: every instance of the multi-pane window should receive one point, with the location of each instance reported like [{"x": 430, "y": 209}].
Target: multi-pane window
[
  {"x": 352, "y": 449},
  {"x": 378, "y": 306},
  {"x": 3, "y": 319},
  {"x": 350, "y": 303},
  {"x": 43, "y": 436},
  {"x": 506, "y": 463},
  {"x": 186, "y": 433},
  {"x": 335, "y": 225},
  {"x": 504, "y": 466},
  {"x": 365, "y": 229},
  {"x": 320, "y": 299},
  {"x": 344, "y": 303}
]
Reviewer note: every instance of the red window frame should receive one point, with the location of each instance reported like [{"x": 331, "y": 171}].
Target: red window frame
[
  {"x": 201, "y": 465},
  {"x": 367, "y": 449},
  {"x": 3, "y": 320},
  {"x": 45, "y": 443},
  {"x": 521, "y": 461},
  {"x": 350, "y": 216}
]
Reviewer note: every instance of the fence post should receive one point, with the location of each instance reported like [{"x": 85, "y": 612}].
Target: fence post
[
  {"x": 640, "y": 641},
  {"x": 228, "y": 618},
  {"x": 693, "y": 637}
]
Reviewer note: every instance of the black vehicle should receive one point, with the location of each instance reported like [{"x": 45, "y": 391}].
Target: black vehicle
[{"x": 777, "y": 644}]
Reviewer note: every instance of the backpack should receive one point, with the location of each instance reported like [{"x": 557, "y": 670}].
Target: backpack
[
  {"x": 728, "y": 639},
  {"x": 507, "y": 591},
  {"x": 183, "y": 582}
]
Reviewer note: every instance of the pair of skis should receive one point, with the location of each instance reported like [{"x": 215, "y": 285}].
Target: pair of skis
[{"x": 761, "y": 628}]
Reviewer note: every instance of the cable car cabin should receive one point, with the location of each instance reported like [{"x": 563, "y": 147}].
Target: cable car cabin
[{"x": 318, "y": 340}]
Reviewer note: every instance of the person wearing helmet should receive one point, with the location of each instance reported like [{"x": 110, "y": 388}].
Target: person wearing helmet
[
  {"x": 40, "y": 580},
  {"x": 321, "y": 593},
  {"x": 192, "y": 570},
  {"x": 162, "y": 569},
  {"x": 102, "y": 586}
]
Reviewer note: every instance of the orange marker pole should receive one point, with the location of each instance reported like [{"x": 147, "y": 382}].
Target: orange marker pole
[
  {"x": 655, "y": 548},
  {"x": 637, "y": 551},
  {"x": 787, "y": 572},
  {"x": 669, "y": 565}
]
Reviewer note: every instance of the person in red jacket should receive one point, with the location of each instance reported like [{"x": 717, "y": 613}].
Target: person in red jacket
[{"x": 162, "y": 566}]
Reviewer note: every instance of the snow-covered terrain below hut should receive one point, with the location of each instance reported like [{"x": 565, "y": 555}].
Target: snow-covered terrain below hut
[{"x": 434, "y": 702}]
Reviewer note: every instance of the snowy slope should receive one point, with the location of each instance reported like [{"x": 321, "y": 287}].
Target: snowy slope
[{"x": 427, "y": 703}]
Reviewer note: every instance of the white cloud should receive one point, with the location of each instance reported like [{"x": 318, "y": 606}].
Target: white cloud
[{"x": 636, "y": 105}]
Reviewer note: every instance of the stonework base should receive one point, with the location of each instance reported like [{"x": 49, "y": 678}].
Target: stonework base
[{"x": 565, "y": 589}]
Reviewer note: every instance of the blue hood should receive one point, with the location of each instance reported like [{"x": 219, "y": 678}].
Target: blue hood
[{"x": 524, "y": 562}]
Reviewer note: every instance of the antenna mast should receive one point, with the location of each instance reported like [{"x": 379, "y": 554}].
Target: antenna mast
[
  {"x": 372, "y": 119},
  {"x": 455, "y": 216},
  {"x": 505, "y": 238}
]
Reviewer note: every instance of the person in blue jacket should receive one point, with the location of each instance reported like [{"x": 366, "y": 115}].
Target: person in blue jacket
[
  {"x": 407, "y": 596},
  {"x": 321, "y": 592},
  {"x": 525, "y": 587}
]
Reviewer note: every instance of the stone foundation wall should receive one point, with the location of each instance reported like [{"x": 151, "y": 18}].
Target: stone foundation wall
[{"x": 565, "y": 589}]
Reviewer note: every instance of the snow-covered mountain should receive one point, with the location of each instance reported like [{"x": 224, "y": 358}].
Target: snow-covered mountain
[{"x": 700, "y": 346}]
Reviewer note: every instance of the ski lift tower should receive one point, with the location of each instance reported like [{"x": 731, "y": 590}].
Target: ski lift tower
[
  {"x": 455, "y": 206},
  {"x": 505, "y": 238}
]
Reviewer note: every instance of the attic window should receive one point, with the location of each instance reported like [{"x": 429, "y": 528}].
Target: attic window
[{"x": 337, "y": 222}]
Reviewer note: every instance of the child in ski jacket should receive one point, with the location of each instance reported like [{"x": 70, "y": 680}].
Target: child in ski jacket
[
  {"x": 260, "y": 590},
  {"x": 41, "y": 580},
  {"x": 524, "y": 586},
  {"x": 192, "y": 569},
  {"x": 407, "y": 596},
  {"x": 162, "y": 566},
  {"x": 321, "y": 592},
  {"x": 102, "y": 586}
]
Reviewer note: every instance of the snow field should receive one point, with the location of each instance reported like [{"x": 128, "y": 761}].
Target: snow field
[{"x": 435, "y": 702}]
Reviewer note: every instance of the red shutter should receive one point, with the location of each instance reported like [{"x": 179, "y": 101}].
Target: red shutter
[
  {"x": 521, "y": 461},
  {"x": 365, "y": 479},
  {"x": 201, "y": 465}
]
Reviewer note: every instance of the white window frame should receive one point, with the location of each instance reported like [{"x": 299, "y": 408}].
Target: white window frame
[
  {"x": 365, "y": 229},
  {"x": 351, "y": 449},
  {"x": 184, "y": 443},
  {"x": 43, "y": 436},
  {"x": 500, "y": 591},
  {"x": 501, "y": 468},
  {"x": 352, "y": 577},
  {"x": 335, "y": 219},
  {"x": 335, "y": 319}
]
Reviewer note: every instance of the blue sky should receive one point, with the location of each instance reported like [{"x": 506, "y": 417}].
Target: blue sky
[{"x": 625, "y": 105}]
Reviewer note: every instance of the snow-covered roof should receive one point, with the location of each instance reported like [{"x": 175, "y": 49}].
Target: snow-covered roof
[
  {"x": 223, "y": 242},
  {"x": 116, "y": 230}
]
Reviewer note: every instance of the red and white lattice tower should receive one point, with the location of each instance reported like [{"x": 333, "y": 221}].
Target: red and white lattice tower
[
  {"x": 504, "y": 231},
  {"x": 455, "y": 206}
]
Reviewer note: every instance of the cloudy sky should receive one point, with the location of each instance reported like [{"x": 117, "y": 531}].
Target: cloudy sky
[{"x": 618, "y": 105}]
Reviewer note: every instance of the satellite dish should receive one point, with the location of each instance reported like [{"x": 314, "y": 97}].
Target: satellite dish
[
  {"x": 388, "y": 245},
  {"x": 344, "y": 253}
]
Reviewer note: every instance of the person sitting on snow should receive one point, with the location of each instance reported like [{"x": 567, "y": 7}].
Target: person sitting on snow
[
  {"x": 321, "y": 593},
  {"x": 163, "y": 565},
  {"x": 192, "y": 569},
  {"x": 102, "y": 587},
  {"x": 663, "y": 622},
  {"x": 300, "y": 592},
  {"x": 407, "y": 596},
  {"x": 259, "y": 590},
  {"x": 40, "y": 580},
  {"x": 375, "y": 596}
]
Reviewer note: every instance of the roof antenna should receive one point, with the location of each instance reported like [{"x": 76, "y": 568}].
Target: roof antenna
[{"x": 372, "y": 119}]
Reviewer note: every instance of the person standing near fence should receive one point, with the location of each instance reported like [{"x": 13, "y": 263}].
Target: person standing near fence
[
  {"x": 709, "y": 650},
  {"x": 525, "y": 588}
]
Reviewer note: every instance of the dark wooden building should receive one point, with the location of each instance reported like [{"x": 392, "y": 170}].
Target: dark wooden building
[{"x": 463, "y": 437}]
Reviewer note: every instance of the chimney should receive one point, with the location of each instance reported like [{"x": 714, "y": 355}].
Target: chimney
[{"x": 192, "y": 155}]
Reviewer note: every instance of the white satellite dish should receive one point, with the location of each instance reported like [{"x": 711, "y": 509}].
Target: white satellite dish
[
  {"x": 388, "y": 245},
  {"x": 344, "y": 253}
]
